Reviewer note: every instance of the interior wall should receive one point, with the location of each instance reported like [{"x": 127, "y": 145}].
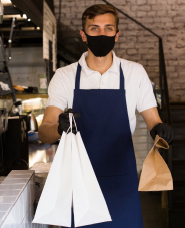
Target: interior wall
[
  {"x": 25, "y": 65},
  {"x": 165, "y": 17}
]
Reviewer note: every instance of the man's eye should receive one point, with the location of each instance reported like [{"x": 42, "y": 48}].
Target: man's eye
[
  {"x": 109, "y": 29},
  {"x": 94, "y": 29}
]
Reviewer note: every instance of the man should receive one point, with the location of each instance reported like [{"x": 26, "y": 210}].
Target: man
[{"x": 105, "y": 90}]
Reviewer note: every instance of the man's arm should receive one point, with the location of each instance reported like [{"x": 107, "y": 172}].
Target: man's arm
[
  {"x": 151, "y": 117},
  {"x": 48, "y": 130}
]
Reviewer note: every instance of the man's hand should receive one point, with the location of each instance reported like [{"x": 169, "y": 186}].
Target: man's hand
[
  {"x": 164, "y": 131},
  {"x": 64, "y": 121}
]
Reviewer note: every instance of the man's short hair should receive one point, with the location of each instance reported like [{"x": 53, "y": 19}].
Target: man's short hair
[{"x": 99, "y": 9}]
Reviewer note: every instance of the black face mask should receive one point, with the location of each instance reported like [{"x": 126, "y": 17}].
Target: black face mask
[{"x": 100, "y": 45}]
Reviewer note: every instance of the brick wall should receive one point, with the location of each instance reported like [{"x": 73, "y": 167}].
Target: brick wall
[{"x": 165, "y": 17}]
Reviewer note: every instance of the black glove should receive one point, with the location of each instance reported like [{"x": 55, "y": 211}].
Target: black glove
[
  {"x": 164, "y": 131},
  {"x": 64, "y": 121}
]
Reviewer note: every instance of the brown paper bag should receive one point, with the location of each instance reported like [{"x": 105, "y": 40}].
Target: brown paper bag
[{"x": 155, "y": 175}]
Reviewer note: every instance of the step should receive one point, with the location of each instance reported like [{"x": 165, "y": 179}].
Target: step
[
  {"x": 176, "y": 219},
  {"x": 178, "y": 150},
  {"x": 177, "y": 113},
  {"x": 178, "y": 170},
  {"x": 179, "y": 130},
  {"x": 178, "y": 195}
]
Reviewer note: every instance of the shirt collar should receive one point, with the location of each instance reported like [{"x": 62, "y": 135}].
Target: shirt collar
[{"x": 114, "y": 67}]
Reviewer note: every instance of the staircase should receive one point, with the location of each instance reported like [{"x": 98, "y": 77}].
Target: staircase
[{"x": 176, "y": 215}]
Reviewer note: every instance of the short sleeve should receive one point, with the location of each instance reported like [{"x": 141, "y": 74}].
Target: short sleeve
[
  {"x": 146, "y": 98},
  {"x": 57, "y": 92}
]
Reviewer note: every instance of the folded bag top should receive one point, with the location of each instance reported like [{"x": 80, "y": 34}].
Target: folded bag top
[{"x": 155, "y": 175}]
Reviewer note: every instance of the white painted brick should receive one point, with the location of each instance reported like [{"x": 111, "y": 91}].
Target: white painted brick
[
  {"x": 166, "y": 19},
  {"x": 170, "y": 25},
  {"x": 152, "y": 2},
  {"x": 140, "y": 14},
  {"x": 154, "y": 74},
  {"x": 179, "y": 19},
  {"x": 171, "y": 13},
  {"x": 176, "y": 7},
  {"x": 170, "y": 68},
  {"x": 131, "y": 51},
  {"x": 172, "y": 1},
  {"x": 144, "y": 21},
  {"x": 153, "y": 63},
  {"x": 179, "y": 25},
  {"x": 150, "y": 57},
  {"x": 131, "y": 1},
  {"x": 121, "y": 52},
  {"x": 161, "y": 7},
  {"x": 127, "y": 45},
  {"x": 147, "y": 51},
  {"x": 133, "y": 57},
  {"x": 180, "y": 45},
  {"x": 140, "y": 8},
  {"x": 181, "y": 2},
  {"x": 145, "y": 45},
  {"x": 146, "y": 39},
  {"x": 123, "y": 26},
  {"x": 122, "y": 39},
  {"x": 181, "y": 63},
  {"x": 161, "y": 13},
  {"x": 172, "y": 63},
  {"x": 143, "y": 62},
  {"x": 131, "y": 39},
  {"x": 133, "y": 26},
  {"x": 181, "y": 80},
  {"x": 172, "y": 75},
  {"x": 77, "y": 22},
  {"x": 151, "y": 13},
  {"x": 141, "y": 2}
]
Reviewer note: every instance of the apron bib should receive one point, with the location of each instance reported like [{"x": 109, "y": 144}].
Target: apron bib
[{"x": 105, "y": 131}]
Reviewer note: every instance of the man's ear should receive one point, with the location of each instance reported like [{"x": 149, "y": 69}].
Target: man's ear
[
  {"x": 84, "y": 38},
  {"x": 117, "y": 35}
]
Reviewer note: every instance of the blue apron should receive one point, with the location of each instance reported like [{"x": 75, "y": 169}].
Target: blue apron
[{"x": 105, "y": 131}]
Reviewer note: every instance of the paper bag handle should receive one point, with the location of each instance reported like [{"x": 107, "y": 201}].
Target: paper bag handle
[{"x": 71, "y": 120}]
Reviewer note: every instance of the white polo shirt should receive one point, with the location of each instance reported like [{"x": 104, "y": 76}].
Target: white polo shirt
[{"x": 138, "y": 87}]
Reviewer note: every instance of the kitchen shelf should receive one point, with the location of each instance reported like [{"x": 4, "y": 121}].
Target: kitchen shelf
[{"x": 25, "y": 96}]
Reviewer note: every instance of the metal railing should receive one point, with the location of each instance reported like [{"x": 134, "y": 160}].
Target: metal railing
[
  {"x": 162, "y": 69},
  {"x": 165, "y": 105}
]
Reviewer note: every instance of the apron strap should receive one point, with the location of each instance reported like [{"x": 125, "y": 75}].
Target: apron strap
[
  {"x": 78, "y": 72},
  {"x": 77, "y": 81},
  {"x": 122, "y": 79}
]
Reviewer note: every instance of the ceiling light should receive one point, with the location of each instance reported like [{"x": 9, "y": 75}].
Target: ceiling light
[
  {"x": 24, "y": 15},
  {"x": 29, "y": 19},
  {"x": 38, "y": 27},
  {"x": 5, "y": 1}
]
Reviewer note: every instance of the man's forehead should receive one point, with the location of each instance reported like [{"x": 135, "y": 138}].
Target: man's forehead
[{"x": 105, "y": 19}]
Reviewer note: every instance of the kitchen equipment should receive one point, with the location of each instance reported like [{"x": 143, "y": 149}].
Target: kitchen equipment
[
  {"x": 3, "y": 128},
  {"x": 32, "y": 122},
  {"x": 15, "y": 145},
  {"x": 3, "y": 120}
]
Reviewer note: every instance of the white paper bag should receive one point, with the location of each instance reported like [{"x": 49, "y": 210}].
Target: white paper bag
[{"x": 71, "y": 176}]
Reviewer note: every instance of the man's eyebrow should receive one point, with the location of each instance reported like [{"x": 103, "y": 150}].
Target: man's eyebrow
[
  {"x": 93, "y": 25},
  {"x": 99, "y": 26},
  {"x": 110, "y": 25}
]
